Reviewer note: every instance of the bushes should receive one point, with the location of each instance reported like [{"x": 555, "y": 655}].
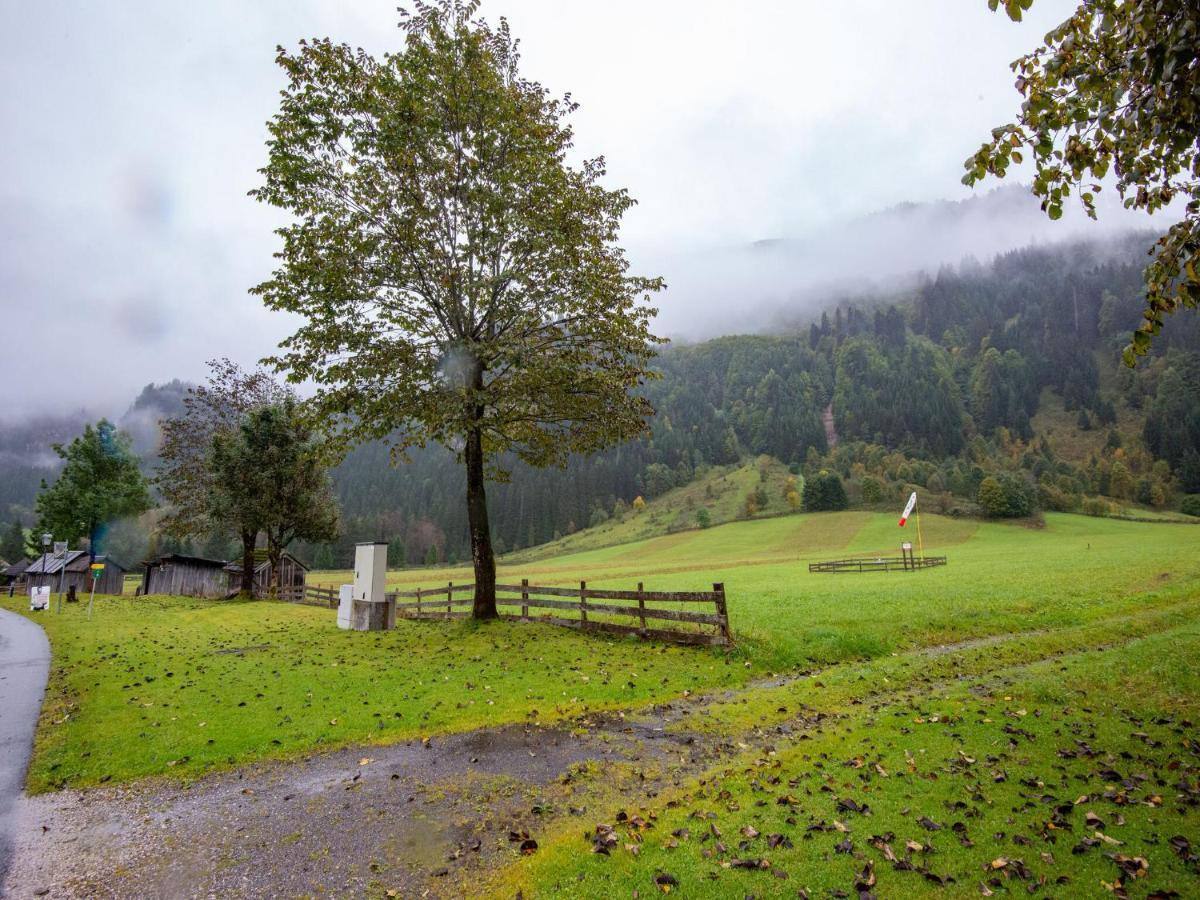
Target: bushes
[
  {"x": 1190, "y": 505},
  {"x": 1005, "y": 496},
  {"x": 1097, "y": 506},
  {"x": 825, "y": 492},
  {"x": 872, "y": 490}
]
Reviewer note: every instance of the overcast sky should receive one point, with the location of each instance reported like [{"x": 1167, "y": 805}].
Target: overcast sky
[{"x": 132, "y": 131}]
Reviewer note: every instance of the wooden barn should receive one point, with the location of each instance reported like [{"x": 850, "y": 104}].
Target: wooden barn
[
  {"x": 16, "y": 572},
  {"x": 185, "y": 576},
  {"x": 74, "y": 570},
  {"x": 292, "y": 573}
]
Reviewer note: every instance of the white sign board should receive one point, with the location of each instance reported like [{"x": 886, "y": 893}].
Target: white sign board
[
  {"x": 60, "y": 549},
  {"x": 39, "y": 598}
]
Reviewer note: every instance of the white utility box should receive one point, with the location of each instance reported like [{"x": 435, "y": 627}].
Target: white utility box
[{"x": 371, "y": 611}]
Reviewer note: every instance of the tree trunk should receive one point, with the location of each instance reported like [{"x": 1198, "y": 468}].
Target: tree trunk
[
  {"x": 481, "y": 532},
  {"x": 274, "y": 557},
  {"x": 248, "y": 563}
]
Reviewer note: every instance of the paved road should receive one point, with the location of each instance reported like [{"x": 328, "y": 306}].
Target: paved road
[{"x": 24, "y": 663}]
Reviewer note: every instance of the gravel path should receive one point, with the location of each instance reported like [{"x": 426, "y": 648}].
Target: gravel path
[{"x": 422, "y": 818}]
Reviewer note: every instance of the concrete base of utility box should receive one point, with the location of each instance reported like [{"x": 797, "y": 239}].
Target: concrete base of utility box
[{"x": 366, "y": 616}]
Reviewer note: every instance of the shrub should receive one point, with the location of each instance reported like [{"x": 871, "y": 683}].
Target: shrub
[
  {"x": 872, "y": 490},
  {"x": 1190, "y": 505},
  {"x": 1005, "y": 496},
  {"x": 824, "y": 492},
  {"x": 1097, "y": 506}
]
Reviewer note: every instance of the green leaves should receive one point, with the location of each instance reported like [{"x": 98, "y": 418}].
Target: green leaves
[
  {"x": 1115, "y": 87},
  {"x": 100, "y": 482},
  {"x": 1014, "y": 8},
  {"x": 456, "y": 279}
]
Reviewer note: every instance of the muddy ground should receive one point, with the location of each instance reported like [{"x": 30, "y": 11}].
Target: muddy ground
[{"x": 420, "y": 818}]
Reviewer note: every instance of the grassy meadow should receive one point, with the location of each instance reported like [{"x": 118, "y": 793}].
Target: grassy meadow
[{"x": 988, "y": 714}]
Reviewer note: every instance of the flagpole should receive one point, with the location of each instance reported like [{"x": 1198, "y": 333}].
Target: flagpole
[{"x": 920, "y": 541}]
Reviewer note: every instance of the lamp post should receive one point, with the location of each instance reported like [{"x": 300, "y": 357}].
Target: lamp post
[
  {"x": 36, "y": 591},
  {"x": 47, "y": 540}
]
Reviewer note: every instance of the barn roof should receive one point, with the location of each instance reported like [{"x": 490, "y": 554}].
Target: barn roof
[
  {"x": 74, "y": 560},
  {"x": 17, "y": 568},
  {"x": 199, "y": 562},
  {"x": 261, "y": 562},
  {"x": 50, "y": 565}
]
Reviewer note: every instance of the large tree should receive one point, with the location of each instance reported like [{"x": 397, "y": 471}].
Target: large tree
[
  {"x": 100, "y": 482},
  {"x": 459, "y": 279},
  {"x": 1115, "y": 87},
  {"x": 272, "y": 472},
  {"x": 185, "y": 476}
]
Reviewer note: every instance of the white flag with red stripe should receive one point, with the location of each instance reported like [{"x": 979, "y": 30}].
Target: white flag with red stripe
[{"x": 912, "y": 501}]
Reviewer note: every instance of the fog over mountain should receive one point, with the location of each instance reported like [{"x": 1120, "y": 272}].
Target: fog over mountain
[
  {"x": 774, "y": 283},
  {"x": 128, "y": 242},
  {"x": 769, "y": 285}
]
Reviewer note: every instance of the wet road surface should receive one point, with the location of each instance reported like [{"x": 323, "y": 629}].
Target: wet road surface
[{"x": 24, "y": 663}]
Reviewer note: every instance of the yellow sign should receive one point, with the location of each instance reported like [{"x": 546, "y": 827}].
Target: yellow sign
[{"x": 98, "y": 566}]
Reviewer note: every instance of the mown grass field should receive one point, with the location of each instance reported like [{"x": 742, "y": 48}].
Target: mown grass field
[{"x": 1081, "y": 630}]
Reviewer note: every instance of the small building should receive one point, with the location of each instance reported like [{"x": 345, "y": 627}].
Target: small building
[
  {"x": 14, "y": 572},
  {"x": 185, "y": 576},
  {"x": 292, "y": 573},
  {"x": 74, "y": 570}
]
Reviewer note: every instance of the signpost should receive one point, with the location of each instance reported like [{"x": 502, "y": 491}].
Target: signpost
[{"x": 97, "y": 571}]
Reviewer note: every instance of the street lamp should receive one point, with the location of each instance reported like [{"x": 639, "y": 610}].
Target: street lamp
[{"x": 47, "y": 540}]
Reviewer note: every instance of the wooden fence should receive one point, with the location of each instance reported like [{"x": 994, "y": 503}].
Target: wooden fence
[
  {"x": 310, "y": 595},
  {"x": 585, "y": 608},
  {"x": 878, "y": 564}
]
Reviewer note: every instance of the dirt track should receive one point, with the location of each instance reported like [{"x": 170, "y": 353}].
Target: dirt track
[{"x": 421, "y": 818}]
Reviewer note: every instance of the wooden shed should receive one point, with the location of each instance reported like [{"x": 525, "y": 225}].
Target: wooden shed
[
  {"x": 292, "y": 573},
  {"x": 185, "y": 576},
  {"x": 74, "y": 570},
  {"x": 15, "y": 572}
]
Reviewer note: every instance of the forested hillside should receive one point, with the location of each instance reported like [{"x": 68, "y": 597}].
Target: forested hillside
[
  {"x": 1009, "y": 370},
  {"x": 938, "y": 389}
]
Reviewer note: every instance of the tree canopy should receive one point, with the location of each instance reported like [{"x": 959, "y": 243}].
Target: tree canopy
[
  {"x": 100, "y": 482},
  {"x": 213, "y": 408},
  {"x": 459, "y": 279},
  {"x": 270, "y": 474},
  {"x": 1116, "y": 87}
]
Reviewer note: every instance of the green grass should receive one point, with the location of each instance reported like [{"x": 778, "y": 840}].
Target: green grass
[
  {"x": 163, "y": 685},
  {"x": 1000, "y": 578},
  {"x": 721, "y": 490},
  {"x": 153, "y": 685},
  {"x": 992, "y": 780}
]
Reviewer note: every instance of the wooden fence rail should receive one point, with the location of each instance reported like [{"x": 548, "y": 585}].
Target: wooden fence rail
[
  {"x": 878, "y": 564},
  {"x": 454, "y": 601},
  {"x": 310, "y": 595},
  {"x": 447, "y": 603}
]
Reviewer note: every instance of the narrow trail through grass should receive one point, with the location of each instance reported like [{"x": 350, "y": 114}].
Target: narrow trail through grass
[{"x": 1000, "y": 774}]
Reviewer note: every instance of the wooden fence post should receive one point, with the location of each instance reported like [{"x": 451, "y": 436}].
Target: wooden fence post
[
  {"x": 525, "y": 599},
  {"x": 449, "y": 599},
  {"x": 641, "y": 606},
  {"x": 418, "y": 603},
  {"x": 583, "y": 603},
  {"x": 723, "y": 612}
]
